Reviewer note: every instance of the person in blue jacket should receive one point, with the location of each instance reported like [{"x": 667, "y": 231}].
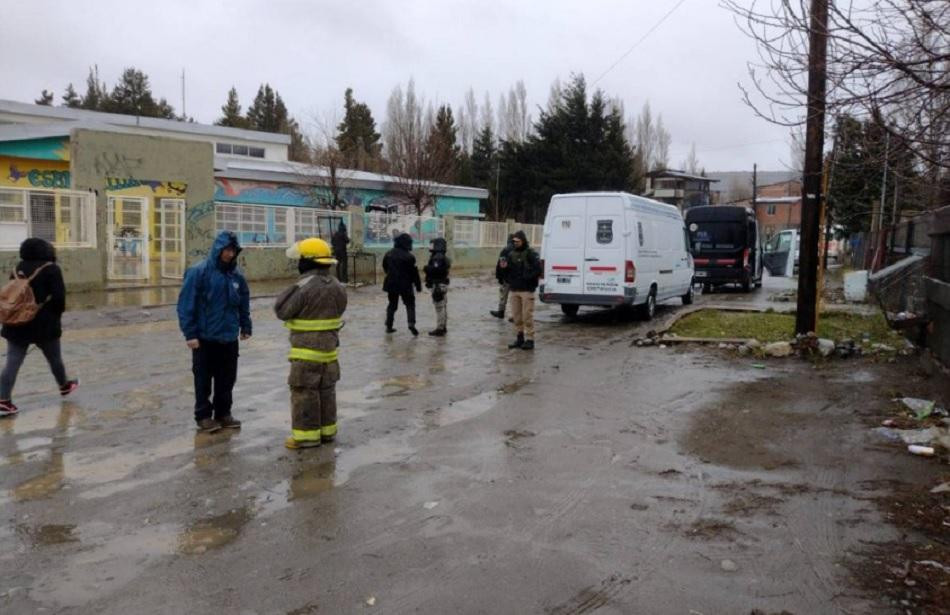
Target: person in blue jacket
[{"x": 213, "y": 313}]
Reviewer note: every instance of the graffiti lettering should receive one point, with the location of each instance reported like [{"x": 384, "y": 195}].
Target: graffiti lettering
[
  {"x": 107, "y": 163},
  {"x": 115, "y": 183},
  {"x": 41, "y": 178},
  {"x": 200, "y": 211}
]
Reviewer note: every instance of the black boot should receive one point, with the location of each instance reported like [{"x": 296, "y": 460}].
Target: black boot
[
  {"x": 497, "y": 313},
  {"x": 389, "y": 327},
  {"x": 528, "y": 345},
  {"x": 439, "y": 332},
  {"x": 518, "y": 343},
  {"x": 413, "y": 330}
]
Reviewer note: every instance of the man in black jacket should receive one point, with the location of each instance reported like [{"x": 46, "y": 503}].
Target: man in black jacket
[
  {"x": 401, "y": 276},
  {"x": 522, "y": 272},
  {"x": 500, "y": 275},
  {"x": 339, "y": 242},
  {"x": 45, "y": 330}
]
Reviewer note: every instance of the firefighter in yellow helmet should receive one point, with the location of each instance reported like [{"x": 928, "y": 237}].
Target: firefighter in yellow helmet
[{"x": 312, "y": 309}]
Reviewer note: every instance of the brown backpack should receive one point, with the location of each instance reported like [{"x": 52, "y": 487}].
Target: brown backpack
[{"x": 17, "y": 303}]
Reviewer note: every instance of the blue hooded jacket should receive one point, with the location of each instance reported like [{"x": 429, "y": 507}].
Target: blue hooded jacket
[{"x": 215, "y": 302}]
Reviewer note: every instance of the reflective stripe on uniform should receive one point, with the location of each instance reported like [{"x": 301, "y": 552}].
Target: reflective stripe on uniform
[
  {"x": 313, "y": 356},
  {"x": 324, "y": 324},
  {"x": 329, "y": 430},
  {"x": 306, "y": 435}
]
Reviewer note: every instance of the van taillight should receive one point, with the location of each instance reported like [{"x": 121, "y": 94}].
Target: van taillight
[
  {"x": 542, "y": 271},
  {"x": 745, "y": 258},
  {"x": 629, "y": 272}
]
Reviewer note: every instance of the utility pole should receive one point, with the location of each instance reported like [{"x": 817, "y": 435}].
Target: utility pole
[
  {"x": 806, "y": 315},
  {"x": 184, "y": 113},
  {"x": 755, "y": 187}
]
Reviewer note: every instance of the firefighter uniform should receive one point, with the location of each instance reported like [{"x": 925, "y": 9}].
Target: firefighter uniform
[{"x": 312, "y": 309}]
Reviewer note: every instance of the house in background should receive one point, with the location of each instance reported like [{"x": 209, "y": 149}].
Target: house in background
[
  {"x": 778, "y": 206},
  {"x": 684, "y": 190}
]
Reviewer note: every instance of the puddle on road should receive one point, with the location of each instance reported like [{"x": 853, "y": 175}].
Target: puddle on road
[
  {"x": 311, "y": 482},
  {"x": 47, "y": 535},
  {"x": 98, "y": 570},
  {"x": 462, "y": 410},
  {"x": 213, "y": 532},
  {"x": 45, "y": 484}
]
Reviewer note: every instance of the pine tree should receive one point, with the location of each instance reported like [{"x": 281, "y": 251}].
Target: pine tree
[
  {"x": 261, "y": 115},
  {"x": 483, "y": 158},
  {"x": 231, "y": 111},
  {"x": 357, "y": 138},
  {"x": 95, "y": 97},
  {"x": 45, "y": 99},
  {"x": 132, "y": 95},
  {"x": 442, "y": 145},
  {"x": 71, "y": 98}
]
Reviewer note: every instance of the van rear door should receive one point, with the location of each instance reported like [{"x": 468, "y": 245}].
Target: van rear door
[
  {"x": 604, "y": 254},
  {"x": 563, "y": 246}
]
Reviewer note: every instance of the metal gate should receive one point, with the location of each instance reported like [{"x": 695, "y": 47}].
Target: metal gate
[
  {"x": 127, "y": 236},
  {"x": 170, "y": 235}
]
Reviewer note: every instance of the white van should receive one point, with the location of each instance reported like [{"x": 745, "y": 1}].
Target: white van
[{"x": 614, "y": 248}]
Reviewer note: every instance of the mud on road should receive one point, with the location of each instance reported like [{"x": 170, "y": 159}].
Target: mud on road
[{"x": 588, "y": 476}]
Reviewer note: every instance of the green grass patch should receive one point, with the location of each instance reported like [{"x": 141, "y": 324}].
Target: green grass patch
[{"x": 774, "y": 327}]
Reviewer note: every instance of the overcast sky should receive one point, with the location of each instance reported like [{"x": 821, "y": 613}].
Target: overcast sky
[{"x": 311, "y": 50}]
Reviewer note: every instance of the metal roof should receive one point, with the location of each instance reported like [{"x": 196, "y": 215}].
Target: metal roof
[
  {"x": 66, "y": 114},
  {"x": 680, "y": 175},
  {"x": 301, "y": 173}
]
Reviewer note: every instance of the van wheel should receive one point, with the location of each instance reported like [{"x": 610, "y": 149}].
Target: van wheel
[
  {"x": 570, "y": 310},
  {"x": 688, "y": 297},
  {"x": 707, "y": 289},
  {"x": 648, "y": 309},
  {"x": 746, "y": 285}
]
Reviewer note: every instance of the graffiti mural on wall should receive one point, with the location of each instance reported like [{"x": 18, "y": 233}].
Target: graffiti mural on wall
[
  {"x": 23, "y": 173},
  {"x": 40, "y": 178},
  {"x": 161, "y": 188},
  {"x": 259, "y": 193}
]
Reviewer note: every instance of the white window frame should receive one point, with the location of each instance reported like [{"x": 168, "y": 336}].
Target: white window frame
[{"x": 18, "y": 199}]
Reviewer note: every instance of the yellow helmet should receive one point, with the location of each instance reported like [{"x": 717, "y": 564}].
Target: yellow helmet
[{"x": 314, "y": 249}]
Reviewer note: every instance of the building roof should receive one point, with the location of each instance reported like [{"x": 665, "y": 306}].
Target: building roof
[
  {"x": 68, "y": 115},
  {"x": 680, "y": 175},
  {"x": 301, "y": 173}
]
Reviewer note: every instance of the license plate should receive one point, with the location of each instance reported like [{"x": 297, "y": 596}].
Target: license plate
[
  {"x": 563, "y": 279},
  {"x": 701, "y": 274}
]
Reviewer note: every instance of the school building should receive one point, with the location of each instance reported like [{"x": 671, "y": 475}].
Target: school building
[{"x": 130, "y": 200}]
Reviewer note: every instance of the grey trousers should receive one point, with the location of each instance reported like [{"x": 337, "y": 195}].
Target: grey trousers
[
  {"x": 502, "y": 298},
  {"x": 442, "y": 306},
  {"x": 16, "y": 353}
]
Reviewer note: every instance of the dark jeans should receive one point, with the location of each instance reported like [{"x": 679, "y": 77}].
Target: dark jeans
[
  {"x": 214, "y": 365},
  {"x": 409, "y": 300},
  {"x": 16, "y": 353},
  {"x": 342, "y": 272}
]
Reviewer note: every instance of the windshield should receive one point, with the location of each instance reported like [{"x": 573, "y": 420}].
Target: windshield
[{"x": 717, "y": 236}]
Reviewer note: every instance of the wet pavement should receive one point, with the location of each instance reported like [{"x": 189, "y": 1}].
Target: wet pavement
[{"x": 467, "y": 478}]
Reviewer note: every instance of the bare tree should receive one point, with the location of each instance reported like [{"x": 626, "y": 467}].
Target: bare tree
[
  {"x": 488, "y": 116},
  {"x": 887, "y": 59},
  {"x": 691, "y": 164},
  {"x": 504, "y": 127},
  {"x": 416, "y": 168},
  {"x": 663, "y": 139},
  {"x": 328, "y": 176},
  {"x": 471, "y": 121}
]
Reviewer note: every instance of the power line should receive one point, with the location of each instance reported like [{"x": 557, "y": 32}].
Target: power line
[{"x": 637, "y": 44}]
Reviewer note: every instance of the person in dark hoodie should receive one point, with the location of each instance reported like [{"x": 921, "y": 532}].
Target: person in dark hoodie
[
  {"x": 45, "y": 330},
  {"x": 401, "y": 276},
  {"x": 339, "y": 241},
  {"x": 501, "y": 275},
  {"x": 437, "y": 280},
  {"x": 213, "y": 313},
  {"x": 523, "y": 270}
]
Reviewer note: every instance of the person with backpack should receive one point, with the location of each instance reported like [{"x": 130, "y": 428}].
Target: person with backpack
[
  {"x": 31, "y": 309},
  {"x": 401, "y": 276},
  {"x": 214, "y": 312},
  {"x": 437, "y": 280}
]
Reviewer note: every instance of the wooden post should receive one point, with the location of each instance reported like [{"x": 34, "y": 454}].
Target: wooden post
[{"x": 806, "y": 316}]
